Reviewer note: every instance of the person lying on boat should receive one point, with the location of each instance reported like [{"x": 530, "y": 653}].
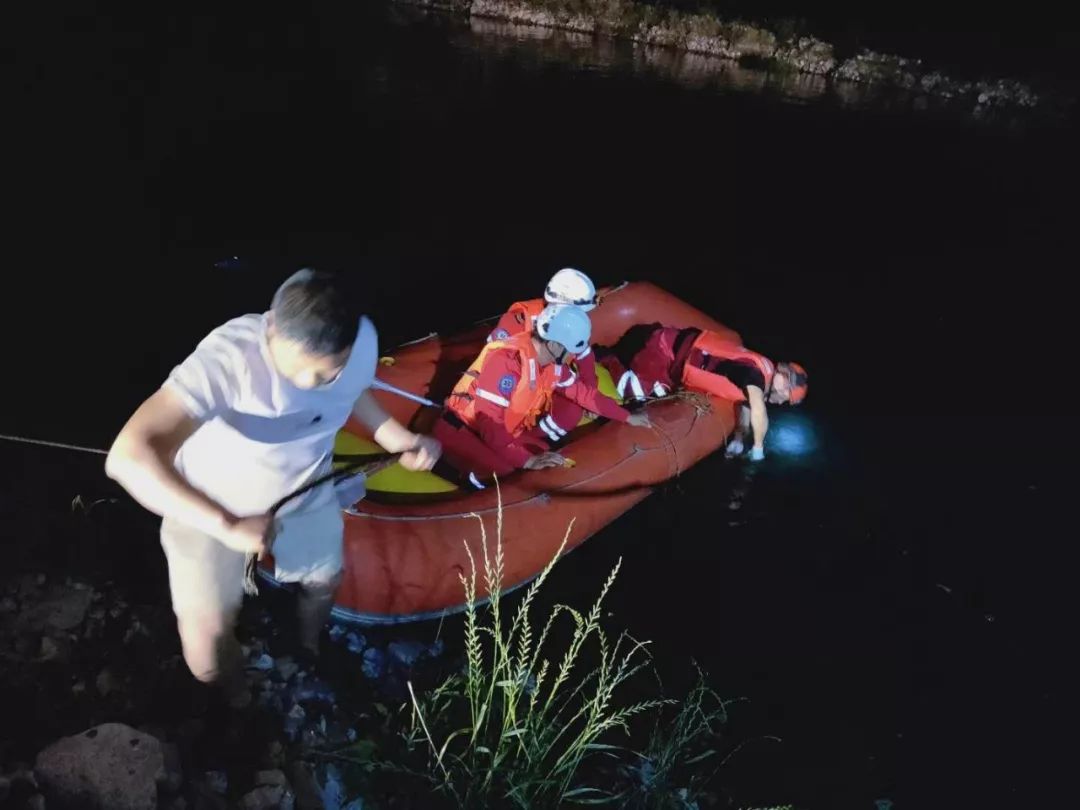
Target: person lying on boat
[
  {"x": 247, "y": 419},
  {"x": 651, "y": 360},
  {"x": 514, "y": 383},
  {"x": 568, "y": 287}
]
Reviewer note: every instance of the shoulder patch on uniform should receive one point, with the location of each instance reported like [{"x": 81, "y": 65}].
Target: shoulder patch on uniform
[
  {"x": 500, "y": 334},
  {"x": 507, "y": 383}
]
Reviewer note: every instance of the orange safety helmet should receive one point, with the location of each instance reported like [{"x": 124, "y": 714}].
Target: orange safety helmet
[{"x": 797, "y": 381}]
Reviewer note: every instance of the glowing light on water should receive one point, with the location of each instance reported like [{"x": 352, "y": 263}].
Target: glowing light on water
[{"x": 791, "y": 435}]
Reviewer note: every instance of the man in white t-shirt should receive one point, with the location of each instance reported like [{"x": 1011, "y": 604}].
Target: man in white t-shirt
[{"x": 245, "y": 420}]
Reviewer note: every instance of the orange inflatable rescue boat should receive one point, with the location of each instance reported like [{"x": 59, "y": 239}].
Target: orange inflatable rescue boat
[{"x": 405, "y": 541}]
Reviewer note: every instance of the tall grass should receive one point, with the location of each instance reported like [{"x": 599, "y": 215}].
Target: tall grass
[
  {"x": 679, "y": 760},
  {"x": 530, "y": 717},
  {"x": 516, "y": 727}
]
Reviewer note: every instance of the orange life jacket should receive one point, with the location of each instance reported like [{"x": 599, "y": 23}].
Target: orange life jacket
[
  {"x": 529, "y": 400},
  {"x": 714, "y": 345},
  {"x": 526, "y": 312}
]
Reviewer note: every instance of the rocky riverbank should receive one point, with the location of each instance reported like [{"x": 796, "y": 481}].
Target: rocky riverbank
[
  {"x": 99, "y": 711},
  {"x": 786, "y": 56}
]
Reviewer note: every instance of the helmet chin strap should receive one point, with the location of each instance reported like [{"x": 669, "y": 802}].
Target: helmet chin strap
[
  {"x": 560, "y": 359},
  {"x": 546, "y": 345}
]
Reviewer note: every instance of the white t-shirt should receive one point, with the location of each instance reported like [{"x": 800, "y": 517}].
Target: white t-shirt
[{"x": 261, "y": 436}]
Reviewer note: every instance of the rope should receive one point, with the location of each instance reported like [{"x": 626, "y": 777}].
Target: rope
[
  {"x": 58, "y": 445},
  {"x": 699, "y": 402},
  {"x": 367, "y": 465},
  {"x": 382, "y": 386}
]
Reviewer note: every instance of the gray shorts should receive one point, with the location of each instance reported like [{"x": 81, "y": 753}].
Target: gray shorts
[{"x": 205, "y": 575}]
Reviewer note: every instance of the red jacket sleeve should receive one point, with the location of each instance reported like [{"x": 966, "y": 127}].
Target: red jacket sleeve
[
  {"x": 589, "y": 397},
  {"x": 497, "y": 380},
  {"x": 586, "y": 368}
]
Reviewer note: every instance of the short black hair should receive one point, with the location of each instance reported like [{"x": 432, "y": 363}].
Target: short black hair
[{"x": 313, "y": 309}]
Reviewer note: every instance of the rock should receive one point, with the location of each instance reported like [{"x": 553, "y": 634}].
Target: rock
[
  {"x": 271, "y": 701},
  {"x": 286, "y": 668},
  {"x": 36, "y": 802},
  {"x": 1005, "y": 92},
  {"x": 111, "y": 767},
  {"x": 302, "y": 778},
  {"x": 332, "y": 789},
  {"x": 264, "y": 663},
  {"x": 137, "y": 628},
  {"x": 78, "y": 688},
  {"x": 217, "y": 781},
  {"x": 808, "y": 55},
  {"x": 374, "y": 663},
  {"x": 106, "y": 682},
  {"x": 355, "y": 643},
  {"x": 294, "y": 720},
  {"x": 174, "y": 772},
  {"x": 62, "y": 610},
  {"x": 274, "y": 756},
  {"x": 338, "y": 734},
  {"x": 406, "y": 653},
  {"x": 313, "y": 689},
  {"x": 8, "y": 605},
  {"x": 49, "y": 650},
  {"x": 272, "y": 778},
  {"x": 313, "y": 736},
  {"x": 333, "y": 792},
  {"x": 41, "y": 578},
  {"x": 22, "y": 780},
  {"x": 263, "y": 798}
]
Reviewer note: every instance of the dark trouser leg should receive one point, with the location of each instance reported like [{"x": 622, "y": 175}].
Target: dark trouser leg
[{"x": 466, "y": 453}]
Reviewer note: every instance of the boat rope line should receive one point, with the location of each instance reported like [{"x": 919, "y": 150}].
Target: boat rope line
[
  {"x": 55, "y": 445},
  {"x": 359, "y": 465}
]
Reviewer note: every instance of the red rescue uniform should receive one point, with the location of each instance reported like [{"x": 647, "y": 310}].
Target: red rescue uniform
[
  {"x": 565, "y": 414},
  {"x": 494, "y": 410},
  {"x": 648, "y": 360},
  {"x": 652, "y": 359},
  {"x": 720, "y": 367}
]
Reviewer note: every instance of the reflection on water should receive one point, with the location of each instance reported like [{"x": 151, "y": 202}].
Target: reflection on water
[{"x": 539, "y": 45}]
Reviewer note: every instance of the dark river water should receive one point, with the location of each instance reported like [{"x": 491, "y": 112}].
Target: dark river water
[{"x": 891, "y": 590}]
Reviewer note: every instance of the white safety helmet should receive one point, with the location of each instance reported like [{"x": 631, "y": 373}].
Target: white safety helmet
[
  {"x": 570, "y": 286},
  {"x": 568, "y": 326}
]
